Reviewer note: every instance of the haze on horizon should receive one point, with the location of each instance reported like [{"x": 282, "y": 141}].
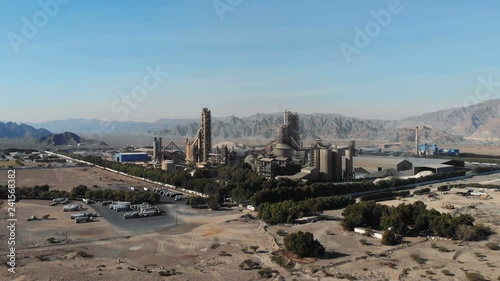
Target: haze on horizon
[{"x": 259, "y": 56}]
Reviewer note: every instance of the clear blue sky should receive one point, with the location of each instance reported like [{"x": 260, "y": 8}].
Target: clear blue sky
[{"x": 263, "y": 56}]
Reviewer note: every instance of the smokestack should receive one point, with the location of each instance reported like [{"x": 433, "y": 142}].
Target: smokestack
[{"x": 417, "y": 140}]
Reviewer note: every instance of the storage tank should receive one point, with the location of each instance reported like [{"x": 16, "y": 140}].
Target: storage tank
[
  {"x": 349, "y": 163},
  {"x": 326, "y": 167},
  {"x": 337, "y": 164},
  {"x": 167, "y": 165}
]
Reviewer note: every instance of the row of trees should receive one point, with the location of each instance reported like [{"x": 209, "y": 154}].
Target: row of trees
[
  {"x": 241, "y": 178},
  {"x": 413, "y": 219},
  {"x": 298, "y": 192},
  {"x": 288, "y": 211},
  {"x": 43, "y": 192},
  {"x": 384, "y": 195}
]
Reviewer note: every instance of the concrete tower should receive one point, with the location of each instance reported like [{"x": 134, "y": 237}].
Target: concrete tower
[{"x": 206, "y": 135}]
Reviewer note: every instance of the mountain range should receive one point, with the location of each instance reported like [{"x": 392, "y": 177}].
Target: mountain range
[
  {"x": 12, "y": 130},
  {"x": 476, "y": 122}
]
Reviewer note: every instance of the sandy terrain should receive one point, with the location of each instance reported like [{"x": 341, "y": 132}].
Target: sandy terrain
[
  {"x": 193, "y": 248},
  {"x": 67, "y": 178}
]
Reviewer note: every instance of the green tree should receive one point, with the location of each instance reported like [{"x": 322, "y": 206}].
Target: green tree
[{"x": 304, "y": 245}]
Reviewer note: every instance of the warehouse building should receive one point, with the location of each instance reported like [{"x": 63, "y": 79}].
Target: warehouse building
[
  {"x": 435, "y": 168},
  {"x": 379, "y": 163},
  {"x": 132, "y": 157}
]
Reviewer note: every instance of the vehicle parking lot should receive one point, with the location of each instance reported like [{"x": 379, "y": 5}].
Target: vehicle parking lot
[{"x": 137, "y": 225}]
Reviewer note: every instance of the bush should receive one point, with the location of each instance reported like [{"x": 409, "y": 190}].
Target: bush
[
  {"x": 443, "y": 188},
  {"x": 84, "y": 255},
  {"x": 45, "y": 217},
  {"x": 391, "y": 238},
  {"x": 492, "y": 246},
  {"x": 422, "y": 191},
  {"x": 447, "y": 272},
  {"x": 443, "y": 249},
  {"x": 249, "y": 265},
  {"x": 51, "y": 240},
  {"x": 267, "y": 272},
  {"x": 417, "y": 258},
  {"x": 283, "y": 262},
  {"x": 281, "y": 232},
  {"x": 473, "y": 276},
  {"x": 303, "y": 245}
]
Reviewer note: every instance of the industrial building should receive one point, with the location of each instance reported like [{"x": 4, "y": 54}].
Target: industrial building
[
  {"x": 157, "y": 150},
  {"x": 435, "y": 168},
  {"x": 318, "y": 162},
  {"x": 381, "y": 165},
  {"x": 198, "y": 150},
  {"x": 132, "y": 157}
]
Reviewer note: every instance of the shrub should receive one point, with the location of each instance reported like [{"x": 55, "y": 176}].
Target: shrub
[
  {"x": 45, "y": 217},
  {"x": 422, "y": 191},
  {"x": 417, "y": 258},
  {"x": 473, "y": 276},
  {"x": 267, "y": 272},
  {"x": 443, "y": 188},
  {"x": 443, "y": 249},
  {"x": 84, "y": 255},
  {"x": 51, "y": 240},
  {"x": 249, "y": 265},
  {"x": 492, "y": 246},
  {"x": 283, "y": 262},
  {"x": 164, "y": 273},
  {"x": 254, "y": 248},
  {"x": 447, "y": 272},
  {"x": 281, "y": 232}
]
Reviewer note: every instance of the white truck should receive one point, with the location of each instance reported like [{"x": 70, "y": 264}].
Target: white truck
[
  {"x": 74, "y": 216},
  {"x": 72, "y": 207},
  {"x": 82, "y": 219}
]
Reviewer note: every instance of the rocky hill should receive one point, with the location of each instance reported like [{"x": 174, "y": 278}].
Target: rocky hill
[
  {"x": 67, "y": 138},
  {"x": 481, "y": 122},
  {"x": 12, "y": 130}
]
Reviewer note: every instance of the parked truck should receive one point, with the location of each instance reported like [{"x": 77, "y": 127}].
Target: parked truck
[{"x": 83, "y": 219}]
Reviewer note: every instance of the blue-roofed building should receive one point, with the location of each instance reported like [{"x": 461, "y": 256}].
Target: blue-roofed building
[{"x": 132, "y": 157}]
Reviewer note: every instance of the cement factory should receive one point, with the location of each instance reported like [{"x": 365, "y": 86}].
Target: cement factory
[{"x": 287, "y": 157}]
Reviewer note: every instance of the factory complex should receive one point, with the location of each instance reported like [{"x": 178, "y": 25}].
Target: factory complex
[{"x": 286, "y": 156}]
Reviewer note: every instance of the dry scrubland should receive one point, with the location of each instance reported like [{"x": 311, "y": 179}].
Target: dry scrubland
[
  {"x": 67, "y": 178},
  {"x": 208, "y": 245}
]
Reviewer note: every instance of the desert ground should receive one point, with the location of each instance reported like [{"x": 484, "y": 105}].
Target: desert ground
[
  {"x": 69, "y": 177},
  {"x": 208, "y": 245}
]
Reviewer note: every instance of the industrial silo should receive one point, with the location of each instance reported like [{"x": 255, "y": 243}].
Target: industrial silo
[
  {"x": 349, "y": 161},
  {"x": 167, "y": 165},
  {"x": 326, "y": 165},
  {"x": 337, "y": 164}
]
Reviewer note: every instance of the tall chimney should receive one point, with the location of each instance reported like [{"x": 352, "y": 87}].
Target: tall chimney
[{"x": 417, "y": 140}]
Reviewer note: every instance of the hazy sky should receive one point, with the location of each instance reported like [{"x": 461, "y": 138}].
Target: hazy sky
[{"x": 78, "y": 59}]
